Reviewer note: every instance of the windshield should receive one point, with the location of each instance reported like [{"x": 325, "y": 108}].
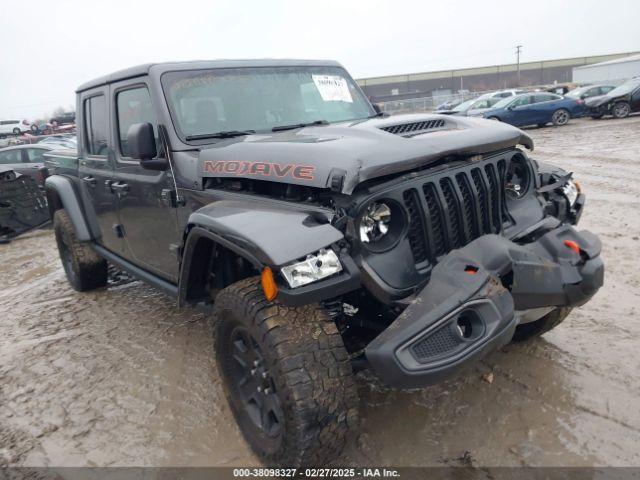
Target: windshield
[
  {"x": 241, "y": 99},
  {"x": 624, "y": 88},
  {"x": 464, "y": 106}
]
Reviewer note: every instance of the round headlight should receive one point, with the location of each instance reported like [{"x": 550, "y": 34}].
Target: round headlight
[
  {"x": 517, "y": 177},
  {"x": 375, "y": 222}
]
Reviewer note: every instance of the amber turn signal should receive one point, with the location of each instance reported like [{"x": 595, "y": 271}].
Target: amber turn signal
[
  {"x": 573, "y": 246},
  {"x": 269, "y": 286}
]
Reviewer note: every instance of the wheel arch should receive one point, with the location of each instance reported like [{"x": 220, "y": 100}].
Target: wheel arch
[
  {"x": 61, "y": 194},
  {"x": 200, "y": 278}
]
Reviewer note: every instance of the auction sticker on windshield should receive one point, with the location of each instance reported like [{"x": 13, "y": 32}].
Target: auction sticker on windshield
[{"x": 332, "y": 88}]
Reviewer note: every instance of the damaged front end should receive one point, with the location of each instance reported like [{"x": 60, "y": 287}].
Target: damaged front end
[
  {"x": 475, "y": 298},
  {"x": 23, "y": 205}
]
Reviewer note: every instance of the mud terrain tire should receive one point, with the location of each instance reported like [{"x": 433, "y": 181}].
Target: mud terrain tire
[
  {"x": 85, "y": 269},
  {"x": 297, "y": 357},
  {"x": 535, "y": 329}
]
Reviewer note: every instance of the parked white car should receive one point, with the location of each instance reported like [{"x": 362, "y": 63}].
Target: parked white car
[{"x": 15, "y": 127}]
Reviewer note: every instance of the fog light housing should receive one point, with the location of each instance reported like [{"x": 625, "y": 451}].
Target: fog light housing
[
  {"x": 315, "y": 267},
  {"x": 570, "y": 191}
]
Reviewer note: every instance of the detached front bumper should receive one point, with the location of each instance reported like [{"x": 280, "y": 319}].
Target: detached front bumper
[{"x": 469, "y": 306}]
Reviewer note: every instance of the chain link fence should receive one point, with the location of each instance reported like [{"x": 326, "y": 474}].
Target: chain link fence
[{"x": 425, "y": 104}]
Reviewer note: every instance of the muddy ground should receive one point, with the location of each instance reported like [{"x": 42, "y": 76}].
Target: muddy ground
[{"x": 122, "y": 377}]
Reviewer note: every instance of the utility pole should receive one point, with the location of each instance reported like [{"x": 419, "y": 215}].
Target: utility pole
[{"x": 518, "y": 49}]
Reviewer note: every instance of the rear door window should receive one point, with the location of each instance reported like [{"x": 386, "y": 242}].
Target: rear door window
[
  {"x": 35, "y": 155},
  {"x": 96, "y": 125}
]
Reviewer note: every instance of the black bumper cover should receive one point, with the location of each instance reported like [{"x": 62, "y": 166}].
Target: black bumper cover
[{"x": 468, "y": 308}]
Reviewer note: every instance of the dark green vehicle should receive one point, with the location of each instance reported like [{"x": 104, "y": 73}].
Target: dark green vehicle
[{"x": 322, "y": 235}]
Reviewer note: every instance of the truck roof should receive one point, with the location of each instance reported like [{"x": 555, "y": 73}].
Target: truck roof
[{"x": 144, "y": 69}]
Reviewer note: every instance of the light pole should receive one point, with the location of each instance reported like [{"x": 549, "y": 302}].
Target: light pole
[{"x": 518, "y": 49}]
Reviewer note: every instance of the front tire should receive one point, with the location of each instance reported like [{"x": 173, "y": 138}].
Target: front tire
[
  {"x": 621, "y": 110},
  {"x": 561, "y": 117},
  {"x": 286, "y": 375},
  {"x": 84, "y": 268},
  {"x": 551, "y": 320}
]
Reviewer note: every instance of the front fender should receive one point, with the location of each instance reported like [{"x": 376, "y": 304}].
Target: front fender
[
  {"x": 270, "y": 235},
  {"x": 62, "y": 194}
]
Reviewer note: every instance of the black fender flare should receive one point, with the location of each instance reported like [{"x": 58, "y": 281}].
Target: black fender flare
[
  {"x": 61, "y": 193},
  {"x": 264, "y": 235}
]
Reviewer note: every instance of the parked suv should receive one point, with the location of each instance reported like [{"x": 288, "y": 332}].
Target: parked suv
[
  {"x": 15, "y": 127},
  {"x": 322, "y": 236}
]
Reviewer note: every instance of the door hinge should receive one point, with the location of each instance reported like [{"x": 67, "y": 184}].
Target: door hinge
[
  {"x": 119, "y": 230},
  {"x": 171, "y": 199},
  {"x": 175, "y": 250}
]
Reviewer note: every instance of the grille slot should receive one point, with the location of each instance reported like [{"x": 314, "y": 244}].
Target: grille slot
[
  {"x": 416, "y": 231},
  {"x": 454, "y": 209},
  {"x": 415, "y": 128},
  {"x": 434, "y": 216}
]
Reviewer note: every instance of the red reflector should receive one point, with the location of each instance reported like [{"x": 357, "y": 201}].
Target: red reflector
[
  {"x": 470, "y": 270},
  {"x": 573, "y": 246}
]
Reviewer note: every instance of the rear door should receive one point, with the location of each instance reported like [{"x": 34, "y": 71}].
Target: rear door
[
  {"x": 519, "y": 111},
  {"x": 544, "y": 104},
  {"x": 146, "y": 207},
  {"x": 95, "y": 169}
]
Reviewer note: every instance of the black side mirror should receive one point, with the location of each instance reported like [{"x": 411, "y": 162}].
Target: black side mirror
[
  {"x": 141, "y": 141},
  {"x": 377, "y": 108},
  {"x": 142, "y": 146}
]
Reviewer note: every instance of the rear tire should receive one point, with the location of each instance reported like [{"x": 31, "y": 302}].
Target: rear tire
[
  {"x": 287, "y": 377},
  {"x": 530, "y": 330},
  {"x": 561, "y": 117},
  {"x": 621, "y": 110},
  {"x": 84, "y": 268},
  {"x": 16, "y": 131}
]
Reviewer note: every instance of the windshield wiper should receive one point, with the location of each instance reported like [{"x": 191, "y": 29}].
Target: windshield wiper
[
  {"x": 375, "y": 115},
  {"x": 280, "y": 128},
  {"x": 223, "y": 134}
]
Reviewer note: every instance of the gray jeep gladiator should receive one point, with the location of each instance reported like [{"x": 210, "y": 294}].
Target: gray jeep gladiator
[{"x": 323, "y": 235}]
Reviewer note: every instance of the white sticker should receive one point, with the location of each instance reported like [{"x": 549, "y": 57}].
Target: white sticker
[{"x": 332, "y": 88}]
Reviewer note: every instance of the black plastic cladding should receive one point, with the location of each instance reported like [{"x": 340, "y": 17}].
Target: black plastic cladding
[{"x": 447, "y": 210}]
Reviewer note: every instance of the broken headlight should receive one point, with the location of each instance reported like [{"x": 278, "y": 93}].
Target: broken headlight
[
  {"x": 570, "y": 191},
  {"x": 380, "y": 224},
  {"x": 315, "y": 267}
]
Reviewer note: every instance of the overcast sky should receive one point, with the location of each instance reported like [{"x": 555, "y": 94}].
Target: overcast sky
[{"x": 50, "y": 47}]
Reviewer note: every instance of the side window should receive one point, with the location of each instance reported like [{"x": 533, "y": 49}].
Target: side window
[
  {"x": 134, "y": 106},
  {"x": 12, "y": 156},
  {"x": 519, "y": 102},
  {"x": 95, "y": 125},
  {"x": 35, "y": 155},
  {"x": 544, "y": 98},
  {"x": 604, "y": 90}
]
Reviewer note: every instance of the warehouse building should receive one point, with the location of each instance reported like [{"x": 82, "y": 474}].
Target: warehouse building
[
  {"x": 616, "y": 70},
  {"x": 427, "y": 84}
]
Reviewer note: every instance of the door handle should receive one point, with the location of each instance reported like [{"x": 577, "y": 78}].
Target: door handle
[
  {"x": 120, "y": 188},
  {"x": 90, "y": 180}
]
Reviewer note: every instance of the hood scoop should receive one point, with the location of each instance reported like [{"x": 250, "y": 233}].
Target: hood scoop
[{"x": 416, "y": 128}]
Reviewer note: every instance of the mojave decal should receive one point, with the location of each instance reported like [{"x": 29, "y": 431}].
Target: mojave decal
[{"x": 266, "y": 169}]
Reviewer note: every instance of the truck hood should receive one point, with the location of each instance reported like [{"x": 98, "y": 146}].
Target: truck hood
[{"x": 340, "y": 156}]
